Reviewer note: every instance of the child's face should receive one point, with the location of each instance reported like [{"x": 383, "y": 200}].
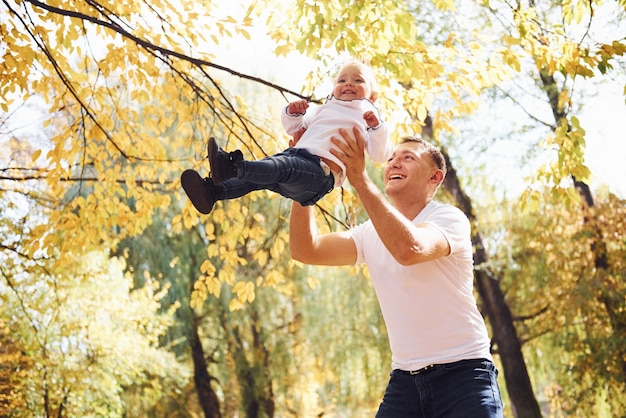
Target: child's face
[{"x": 352, "y": 83}]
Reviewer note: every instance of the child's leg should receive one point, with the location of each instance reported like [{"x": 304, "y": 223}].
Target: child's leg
[
  {"x": 289, "y": 166},
  {"x": 294, "y": 173},
  {"x": 234, "y": 188},
  {"x": 203, "y": 193}
]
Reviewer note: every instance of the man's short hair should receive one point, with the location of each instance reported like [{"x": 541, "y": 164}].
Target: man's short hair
[{"x": 435, "y": 153}]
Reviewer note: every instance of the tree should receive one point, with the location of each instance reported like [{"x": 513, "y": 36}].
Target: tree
[
  {"x": 489, "y": 67},
  {"x": 104, "y": 173},
  {"x": 63, "y": 321},
  {"x": 14, "y": 366},
  {"x": 561, "y": 58},
  {"x": 174, "y": 260},
  {"x": 130, "y": 96},
  {"x": 552, "y": 285}
]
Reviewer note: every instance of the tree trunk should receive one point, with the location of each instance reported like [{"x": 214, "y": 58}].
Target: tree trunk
[
  {"x": 206, "y": 395},
  {"x": 612, "y": 301},
  {"x": 507, "y": 343},
  {"x": 252, "y": 362},
  {"x": 209, "y": 402},
  {"x": 265, "y": 388}
]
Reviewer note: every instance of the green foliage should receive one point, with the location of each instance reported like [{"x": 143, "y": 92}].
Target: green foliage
[
  {"x": 87, "y": 336},
  {"x": 573, "y": 332},
  {"x": 345, "y": 340}
]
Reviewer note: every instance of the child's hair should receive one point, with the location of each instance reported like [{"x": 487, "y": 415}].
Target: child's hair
[{"x": 369, "y": 73}]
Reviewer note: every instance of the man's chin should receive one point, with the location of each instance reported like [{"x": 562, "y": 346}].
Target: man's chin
[{"x": 392, "y": 186}]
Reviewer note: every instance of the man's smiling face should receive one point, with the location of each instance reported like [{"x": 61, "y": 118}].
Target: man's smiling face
[{"x": 409, "y": 167}]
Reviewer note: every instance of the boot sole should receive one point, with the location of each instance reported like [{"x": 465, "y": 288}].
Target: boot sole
[
  {"x": 194, "y": 187},
  {"x": 213, "y": 150}
]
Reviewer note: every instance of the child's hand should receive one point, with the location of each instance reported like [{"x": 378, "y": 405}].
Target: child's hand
[
  {"x": 298, "y": 107},
  {"x": 371, "y": 119}
]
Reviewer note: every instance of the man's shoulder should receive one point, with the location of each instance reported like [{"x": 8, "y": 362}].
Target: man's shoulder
[
  {"x": 445, "y": 216},
  {"x": 437, "y": 208},
  {"x": 365, "y": 227}
]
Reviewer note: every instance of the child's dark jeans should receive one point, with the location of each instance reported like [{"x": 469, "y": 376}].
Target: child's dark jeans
[{"x": 294, "y": 173}]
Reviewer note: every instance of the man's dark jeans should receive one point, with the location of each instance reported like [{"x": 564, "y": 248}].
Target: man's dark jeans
[{"x": 464, "y": 389}]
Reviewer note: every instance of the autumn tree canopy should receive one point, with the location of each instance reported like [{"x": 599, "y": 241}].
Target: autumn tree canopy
[{"x": 103, "y": 104}]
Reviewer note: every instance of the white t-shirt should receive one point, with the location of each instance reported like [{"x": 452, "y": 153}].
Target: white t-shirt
[
  {"x": 322, "y": 122},
  {"x": 429, "y": 308}
]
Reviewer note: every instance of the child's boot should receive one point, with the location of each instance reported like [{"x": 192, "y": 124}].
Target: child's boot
[
  {"x": 222, "y": 163},
  {"x": 201, "y": 192}
]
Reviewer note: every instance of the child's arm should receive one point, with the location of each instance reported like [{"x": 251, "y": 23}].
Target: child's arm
[
  {"x": 298, "y": 107},
  {"x": 379, "y": 147},
  {"x": 371, "y": 119},
  {"x": 292, "y": 116}
]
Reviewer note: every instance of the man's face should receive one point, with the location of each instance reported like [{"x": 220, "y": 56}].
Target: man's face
[{"x": 409, "y": 168}]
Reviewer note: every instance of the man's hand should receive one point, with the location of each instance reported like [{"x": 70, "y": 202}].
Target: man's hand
[
  {"x": 371, "y": 119},
  {"x": 351, "y": 152},
  {"x": 297, "y": 107}
]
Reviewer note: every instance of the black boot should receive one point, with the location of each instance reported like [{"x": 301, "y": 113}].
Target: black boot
[
  {"x": 222, "y": 163},
  {"x": 201, "y": 192}
]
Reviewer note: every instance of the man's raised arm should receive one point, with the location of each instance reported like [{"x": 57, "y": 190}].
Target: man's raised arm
[{"x": 333, "y": 249}]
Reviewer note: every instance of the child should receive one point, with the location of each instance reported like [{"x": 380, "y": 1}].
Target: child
[{"x": 307, "y": 171}]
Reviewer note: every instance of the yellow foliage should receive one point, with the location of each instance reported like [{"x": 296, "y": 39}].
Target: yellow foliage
[
  {"x": 274, "y": 278},
  {"x": 135, "y": 109},
  {"x": 564, "y": 99},
  {"x": 244, "y": 291},
  {"x": 313, "y": 282}
]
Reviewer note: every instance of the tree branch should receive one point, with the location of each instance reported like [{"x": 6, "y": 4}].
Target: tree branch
[{"x": 165, "y": 51}]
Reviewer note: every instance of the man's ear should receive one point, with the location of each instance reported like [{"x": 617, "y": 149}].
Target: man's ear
[
  {"x": 373, "y": 96},
  {"x": 437, "y": 176}
]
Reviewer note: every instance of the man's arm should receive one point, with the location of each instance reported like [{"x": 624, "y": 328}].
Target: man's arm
[
  {"x": 333, "y": 249},
  {"x": 408, "y": 243}
]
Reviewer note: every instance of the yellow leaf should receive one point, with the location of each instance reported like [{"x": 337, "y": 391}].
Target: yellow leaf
[
  {"x": 563, "y": 99},
  {"x": 313, "y": 282},
  {"x": 235, "y": 304},
  {"x": 245, "y": 291},
  {"x": 510, "y": 40},
  {"x": 214, "y": 286},
  {"x": 261, "y": 257}
]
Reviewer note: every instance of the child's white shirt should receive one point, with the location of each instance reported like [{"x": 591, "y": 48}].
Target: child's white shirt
[{"x": 322, "y": 122}]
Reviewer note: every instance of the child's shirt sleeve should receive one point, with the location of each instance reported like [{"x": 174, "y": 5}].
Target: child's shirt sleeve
[
  {"x": 293, "y": 122},
  {"x": 379, "y": 146}
]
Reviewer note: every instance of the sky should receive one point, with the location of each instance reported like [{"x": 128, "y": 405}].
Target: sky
[{"x": 604, "y": 119}]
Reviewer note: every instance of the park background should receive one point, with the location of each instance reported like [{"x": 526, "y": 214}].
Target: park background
[{"x": 118, "y": 300}]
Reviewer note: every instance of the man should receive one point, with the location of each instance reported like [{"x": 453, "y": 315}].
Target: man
[{"x": 419, "y": 255}]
